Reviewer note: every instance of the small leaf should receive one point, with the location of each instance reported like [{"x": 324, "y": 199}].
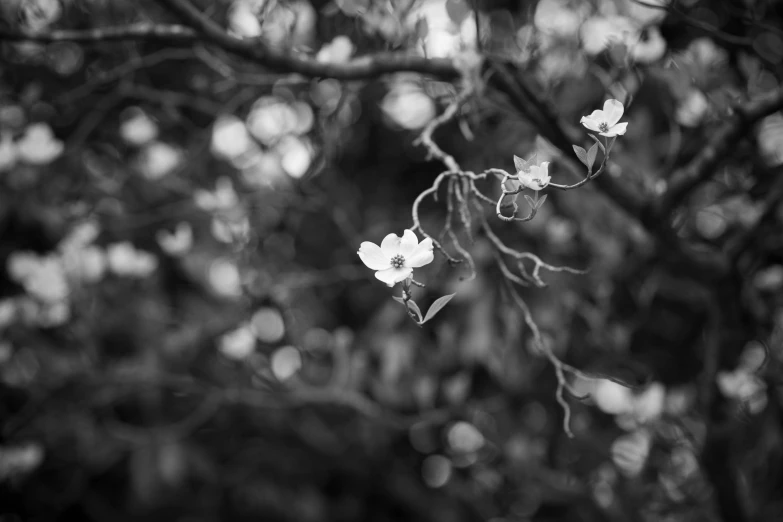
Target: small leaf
[
  {"x": 581, "y": 154},
  {"x": 591, "y": 156},
  {"x": 611, "y": 144},
  {"x": 411, "y": 305},
  {"x": 541, "y": 201},
  {"x": 530, "y": 201},
  {"x": 598, "y": 142},
  {"x": 458, "y": 10},
  {"x": 437, "y": 306},
  {"x": 519, "y": 164}
]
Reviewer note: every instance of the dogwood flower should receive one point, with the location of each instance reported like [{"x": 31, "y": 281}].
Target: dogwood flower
[
  {"x": 535, "y": 177},
  {"x": 396, "y": 258},
  {"x": 605, "y": 122}
]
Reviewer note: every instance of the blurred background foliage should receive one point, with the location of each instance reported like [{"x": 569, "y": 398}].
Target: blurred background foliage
[{"x": 187, "y": 333}]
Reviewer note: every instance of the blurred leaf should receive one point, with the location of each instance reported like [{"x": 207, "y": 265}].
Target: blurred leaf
[
  {"x": 458, "y": 10},
  {"x": 422, "y": 28},
  {"x": 541, "y": 201}
]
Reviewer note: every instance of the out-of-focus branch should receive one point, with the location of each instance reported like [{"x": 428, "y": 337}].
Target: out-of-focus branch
[
  {"x": 255, "y": 50},
  {"x": 173, "y": 34},
  {"x": 685, "y": 180}
]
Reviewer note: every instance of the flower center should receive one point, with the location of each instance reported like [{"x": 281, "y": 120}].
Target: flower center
[
  {"x": 397, "y": 261},
  {"x": 603, "y": 127}
]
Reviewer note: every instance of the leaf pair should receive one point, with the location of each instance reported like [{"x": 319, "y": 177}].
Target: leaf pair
[
  {"x": 521, "y": 165},
  {"x": 436, "y": 307},
  {"x": 588, "y": 157}
]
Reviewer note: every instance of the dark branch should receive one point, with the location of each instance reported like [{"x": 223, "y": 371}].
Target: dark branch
[
  {"x": 363, "y": 67},
  {"x": 174, "y": 34},
  {"x": 702, "y": 167}
]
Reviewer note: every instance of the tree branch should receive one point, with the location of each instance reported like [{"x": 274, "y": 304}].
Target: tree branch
[
  {"x": 685, "y": 180},
  {"x": 363, "y": 67},
  {"x": 174, "y": 34}
]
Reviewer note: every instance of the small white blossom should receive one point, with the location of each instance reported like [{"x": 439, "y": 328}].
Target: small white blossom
[
  {"x": 396, "y": 258},
  {"x": 605, "y": 122},
  {"x": 535, "y": 177}
]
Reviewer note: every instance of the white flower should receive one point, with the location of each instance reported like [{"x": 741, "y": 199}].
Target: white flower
[
  {"x": 535, "y": 177},
  {"x": 396, "y": 258},
  {"x": 605, "y": 122}
]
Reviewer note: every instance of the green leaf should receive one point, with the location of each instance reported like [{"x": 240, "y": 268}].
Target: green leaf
[
  {"x": 530, "y": 201},
  {"x": 541, "y": 201},
  {"x": 581, "y": 154},
  {"x": 458, "y": 10},
  {"x": 591, "y": 154},
  {"x": 437, "y": 306}
]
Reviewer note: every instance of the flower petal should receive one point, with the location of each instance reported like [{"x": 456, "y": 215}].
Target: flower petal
[
  {"x": 390, "y": 246},
  {"x": 372, "y": 256},
  {"x": 421, "y": 255},
  {"x": 590, "y": 123},
  {"x": 618, "y": 130},
  {"x": 597, "y": 116},
  {"x": 392, "y": 276},
  {"x": 613, "y": 111},
  {"x": 408, "y": 243}
]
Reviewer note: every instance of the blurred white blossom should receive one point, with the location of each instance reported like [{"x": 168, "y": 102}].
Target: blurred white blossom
[
  {"x": 222, "y": 198},
  {"x": 224, "y": 278},
  {"x": 599, "y": 32},
  {"x": 37, "y": 15},
  {"x": 770, "y": 136},
  {"x": 339, "y": 50},
  {"x": 42, "y": 277},
  {"x": 178, "y": 242},
  {"x": 20, "y": 459},
  {"x": 158, "y": 159},
  {"x": 127, "y": 261},
  {"x": 408, "y": 106},
  {"x": 230, "y": 138},
  {"x": 286, "y": 361},
  {"x": 137, "y": 128},
  {"x": 692, "y": 108},
  {"x": 38, "y": 145},
  {"x": 238, "y": 344}
]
